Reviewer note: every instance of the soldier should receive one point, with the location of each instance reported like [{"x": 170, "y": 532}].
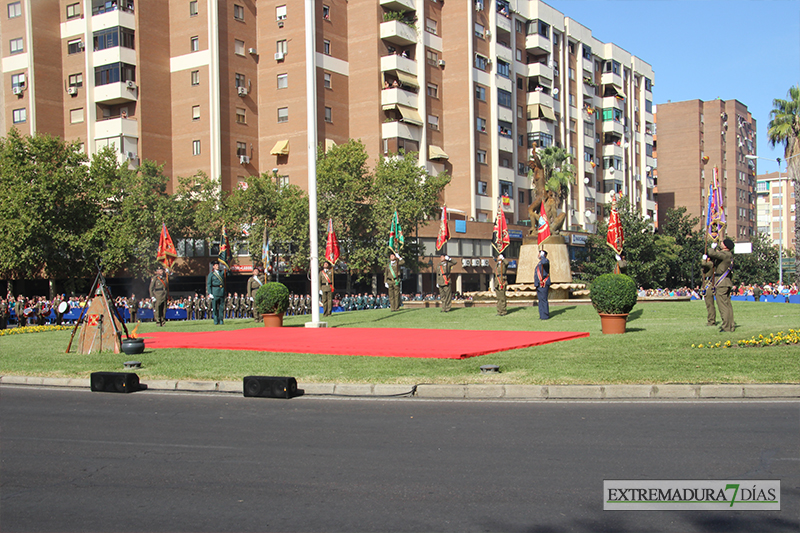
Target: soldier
[
  {"x": 228, "y": 305},
  {"x": 134, "y": 307},
  {"x": 541, "y": 279},
  {"x": 392, "y": 277},
  {"x": 3, "y": 313},
  {"x": 723, "y": 271},
  {"x": 326, "y": 288},
  {"x": 215, "y": 287},
  {"x": 253, "y": 284},
  {"x": 307, "y": 305},
  {"x": 708, "y": 291},
  {"x": 443, "y": 282},
  {"x": 500, "y": 268},
  {"x": 159, "y": 290}
]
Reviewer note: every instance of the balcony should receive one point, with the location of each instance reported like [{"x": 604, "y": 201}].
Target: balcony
[
  {"x": 540, "y": 97},
  {"x": 116, "y": 127},
  {"x": 398, "y": 62},
  {"x": 110, "y": 18},
  {"x": 116, "y": 93},
  {"x": 540, "y": 70},
  {"x": 505, "y": 53},
  {"x": 118, "y": 54},
  {"x": 538, "y": 44},
  {"x": 505, "y": 144},
  {"x": 398, "y": 33},
  {"x": 398, "y": 5},
  {"x": 390, "y": 97},
  {"x": 612, "y": 150},
  {"x": 506, "y": 174},
  {"x": 504, "y": 23},
  {"x": 609, "y": 78},
  {"x": 614, "y": 126},
  {"x": 390, "y": 130},
  {"x": 612, "y": 102},
  {"x": 507, "y": 205}
]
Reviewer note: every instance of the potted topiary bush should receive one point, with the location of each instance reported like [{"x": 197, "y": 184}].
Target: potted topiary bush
[
  {"x": 271, "y": 301},
  {"x": 613, "y": 296}
]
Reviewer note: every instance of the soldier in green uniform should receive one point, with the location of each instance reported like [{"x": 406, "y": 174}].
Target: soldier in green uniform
[
  {"x": 500, "y": 268},
  {"x": 708, "y": 291},
  {"x": 326, "y": 287},
  {"x": 215, "y": 287},
  {"x": 228, "y": 305},
  {"x": 159, "y": 290},
  {"x": 253, "y": 284},
  {"x": 723, "y": 272},
  {"x": 443, "y": 281},
  {"x": 392, "y": 278}
]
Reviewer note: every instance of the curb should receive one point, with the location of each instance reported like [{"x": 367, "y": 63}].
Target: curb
[{"x": 468, "y": 391}]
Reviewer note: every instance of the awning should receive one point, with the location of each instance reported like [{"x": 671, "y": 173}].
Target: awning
[
  {"x": 618, "y": 91},
  {"x": 407, "y": 79},
  {"x": 540, "y": 111},
  {"x": 329, "y": 144},
  {"x": 281, "y": 148},
  {"x": 434, "y": 152},
  {"x": 547, "y": 112},
  {"x": 410, "y": 115}
]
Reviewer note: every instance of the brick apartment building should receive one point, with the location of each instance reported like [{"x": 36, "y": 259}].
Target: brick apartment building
[
  {"x": 776, "y": 208},
  {"x": 219, "y": 87}
]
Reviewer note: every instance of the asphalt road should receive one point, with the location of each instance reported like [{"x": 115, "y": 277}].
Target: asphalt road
[{"x": 73, "y": 460}]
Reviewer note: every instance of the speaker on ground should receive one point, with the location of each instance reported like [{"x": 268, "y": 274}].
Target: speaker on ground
[
  {"x": 270, "y": 387},
  {"x": 114, "y": 382}
]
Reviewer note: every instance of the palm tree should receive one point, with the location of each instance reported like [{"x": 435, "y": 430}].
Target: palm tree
[
  {"x": 558, "y": 171},
  {"x": 784, "y": 127}
]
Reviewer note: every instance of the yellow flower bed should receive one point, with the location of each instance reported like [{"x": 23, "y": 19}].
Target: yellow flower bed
[
  {"x": 773, "y": 339},
  {"x": 32, "y": 329}
]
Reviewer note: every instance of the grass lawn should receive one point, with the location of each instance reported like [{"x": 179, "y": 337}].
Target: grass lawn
[{"x": 657, "y": 348}]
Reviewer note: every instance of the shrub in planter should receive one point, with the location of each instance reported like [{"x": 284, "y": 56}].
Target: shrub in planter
[
  {"x": 613, "y": 294},
  {"x": 271, "y": 298}
]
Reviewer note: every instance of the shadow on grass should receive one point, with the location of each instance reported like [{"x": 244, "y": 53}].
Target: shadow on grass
[
  {"x": 633, "y": 330},
  {"x": 635, "y": 314},
  {"x": 555, "y": 311}
]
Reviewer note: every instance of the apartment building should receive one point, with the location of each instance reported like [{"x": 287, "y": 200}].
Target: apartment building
[
  {"x": 694, "y": 137},
  {"x": 220, "y": 87},
  {"x": 775, "y": 207}
]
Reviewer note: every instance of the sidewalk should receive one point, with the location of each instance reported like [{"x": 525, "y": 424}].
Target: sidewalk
[{"x": 467, "y": 391}]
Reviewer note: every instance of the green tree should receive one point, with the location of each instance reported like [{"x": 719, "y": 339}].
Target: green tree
[
  {"x": 685, "y": 230},
  {"x": 784, "y": 128},
  {"x": 46, "y": 207},
  {"x": 759, "y": 266},
  {"x": 558, "y": 171}
]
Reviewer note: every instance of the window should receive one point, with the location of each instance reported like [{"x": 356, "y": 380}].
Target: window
[
  {"x": 572, "y": 100},
  {"x": 282, "y": 47},
  {"x": 239, "y": 80},
  {"x": 520, "y": 112},
  {"x": 433, "y": 122},
  {"x": 539, "y": 140},
  {"x": 506, "y": 189},
  {"x": 326, "y": 80},
  {"x": 433, "y": 90},
  {"x": 196, "y": 147},
  {"x": 481, "y": 125},
  {"x": 504, "y": 98},
  {"x": 73, "y": 11},
  {"x": 283, "y": 81},
  {"x": 480, "y": 62},
  {"x": 195, "y": 77},
  {"x": 504, "y": 129},
  {"x": 648, "y": 85},
  {"x": 193, "y": 8},
  {"x": 571, "y": 47},
  {"x": 17, "y": 80},
  {"x": 280, "y": 13},
  {"x": 14, "y": 10},
  {"x": 238, "y": 12},
  {"x": 326, "y": 47},
  {"x": 479, "y": 30},
  {"x": 432, "y": 57},
  {"x": 431, "y": 26},
  {"x": 114, "y": 73},
  {"x": 326, "y": 12},
  {"x": 503, "y": 69},
  {"x": 538, "y": 27},
  {"x": 76, "y": 116},
  {"x": 519, "y": 55},
  {"x": 16, "y": 46},
  {"x": 194, "y": 44},
  {"x": 241, "y": 148},
  {"x": 283, "y": 114},
  {"x": 196, "y": 112},
  {"x": 482, "y": 188},
  {"x": 587, "y": 52},
  {"x": 113, "y": 37},
  {"x": 571, "y": 73},
  {"x": 481, "y": 157},
  {"x": 648, "y": 106},
  {"x": 238, "y": 47},
  {"x": 328, "y": 114},
  {"x": 241, "y": 115},
  {"x": 519, "y": 26},
  {"x": 20, "y": 115},
  {"x": 480, "y": 93}
]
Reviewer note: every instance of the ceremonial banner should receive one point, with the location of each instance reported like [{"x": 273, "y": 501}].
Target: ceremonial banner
[
  {"x": 544, "y": 227},
  {"x": 715, "y": 213},
  {"x": 332, "y": 246},
  {"x": 615, "y": 238},
  {"x": 396, "y": 239},
  {"x": 225, "y": 254},
  {"x": 166, "y": 248},
  {"x": 265, "y": 249},
  {"x": 500, "y": 238},
  {"x": 444, "y": 231}
]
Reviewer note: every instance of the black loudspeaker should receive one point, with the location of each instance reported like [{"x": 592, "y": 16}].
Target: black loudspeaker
[
  {"x": 114, "y": 382},
  {"x": 270, "y": 387}
]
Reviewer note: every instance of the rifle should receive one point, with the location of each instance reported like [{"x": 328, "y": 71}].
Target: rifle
[{"x": 83, "y": 311}]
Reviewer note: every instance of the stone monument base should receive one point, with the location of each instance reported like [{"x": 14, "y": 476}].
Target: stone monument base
[{"x": 557, "y": 254}]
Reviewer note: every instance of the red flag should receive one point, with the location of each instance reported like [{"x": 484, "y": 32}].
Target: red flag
[
  {"x": 615, "y": 237},
  {"x": 332, "y": 246},
  {"x": 544, "y": 227},
  {"x": 166, "y": 248},
  {"x": 444, "y": 231},
  {"x": 501, "y": 238}
]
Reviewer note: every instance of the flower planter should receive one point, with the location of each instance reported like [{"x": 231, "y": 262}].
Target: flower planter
[
  {"x": 613, "y": 324},
  {"x": 272, "y": 320},
  {"x": 132, "y": 346}
]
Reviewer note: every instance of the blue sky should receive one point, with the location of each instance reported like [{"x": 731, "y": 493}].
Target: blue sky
[{"x": 746, "y": 50}]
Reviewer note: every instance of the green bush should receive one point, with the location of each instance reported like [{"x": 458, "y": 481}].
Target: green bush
[
  {"x": 271, "y": 298},
  {"x": 613, "y": 294}
]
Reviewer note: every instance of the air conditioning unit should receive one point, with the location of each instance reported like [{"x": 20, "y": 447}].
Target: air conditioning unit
[
  {"x": 476, "y": 262},
  {"x": 488, "y": 61},
  {"x": 81, "y": 46},
  {"x": 244, "y": 159},
  {"x": 279, "y": 56},
  {"x": 485, "y": 262},
  {"x": 17, "y": 90},
  {"x": 441, "y": 63},
  {"x": 252, "y": 51},
  {"x": 242, "y": 91},
  {"x": 131, "y": 156},
  {"x": 488, "y": 33},
  {"x": 280, "y": 24},
  {"x": 131, "y": 84},
  {"x": 478, "y": 6},
  {"x": 465, "y": 262},
  {"x": 72, "y": 90}
]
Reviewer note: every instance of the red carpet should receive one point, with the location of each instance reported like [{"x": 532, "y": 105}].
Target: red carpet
[{"x": 380, "y": 342}]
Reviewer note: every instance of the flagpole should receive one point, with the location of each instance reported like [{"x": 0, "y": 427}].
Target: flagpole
[{"x": 311, "y": 127}]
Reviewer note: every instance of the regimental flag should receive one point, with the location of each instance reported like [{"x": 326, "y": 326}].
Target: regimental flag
[
  {"x": 444, "y": 231},
  {"x": 500, "y": 238},
  {"x": 166, "y": 248},
  {"x": 332, "y": 245},
  {"x": 615, "y": 238},
  {"x": 543, "y": 226},
  {"x": 265, "y": 249},
  {"x": 396, "y": 239},
  {"x": 715, "y": 213},
  {"x": 225, "y": 254}
]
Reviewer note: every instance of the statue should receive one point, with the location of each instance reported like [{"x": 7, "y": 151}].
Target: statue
[{"x": 543, "y": 199}]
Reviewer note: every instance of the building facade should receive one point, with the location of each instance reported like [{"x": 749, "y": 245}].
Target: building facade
[
  {"x": 220, "y": 87},
  {"x": 776, "y": 209},
  {"x": 694, "y": 137}
]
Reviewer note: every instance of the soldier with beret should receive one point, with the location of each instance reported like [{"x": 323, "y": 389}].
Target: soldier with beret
[{"x": 159, "y": 290}]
